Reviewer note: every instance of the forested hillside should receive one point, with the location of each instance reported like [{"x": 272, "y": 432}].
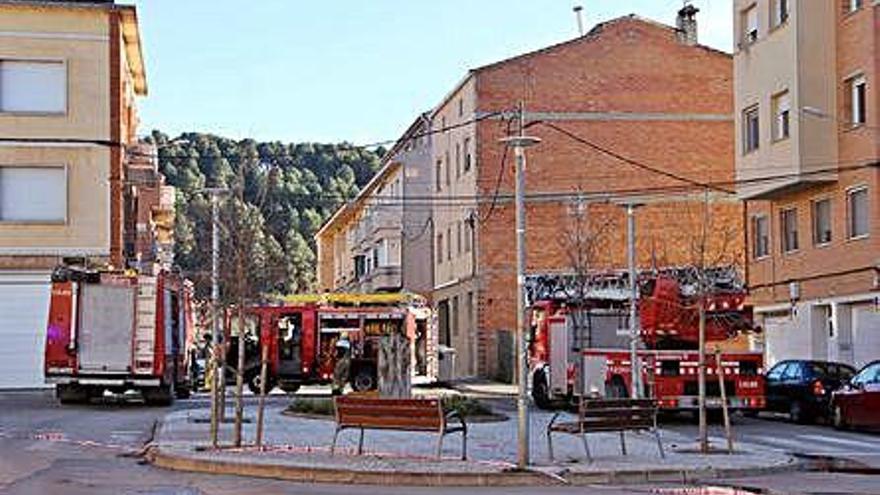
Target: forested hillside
[{"x": 289, "y": 191}]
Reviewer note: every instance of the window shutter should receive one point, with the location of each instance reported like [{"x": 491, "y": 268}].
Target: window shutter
[
  {"x": 33, "y": 194},
  {"x": 39, "y": 87}
]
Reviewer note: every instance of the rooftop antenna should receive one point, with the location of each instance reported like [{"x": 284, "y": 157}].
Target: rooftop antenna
[{"x": 578, "y": 10}]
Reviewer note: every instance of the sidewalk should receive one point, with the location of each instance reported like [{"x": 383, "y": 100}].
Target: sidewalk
[{"x": 298, "y": 450}]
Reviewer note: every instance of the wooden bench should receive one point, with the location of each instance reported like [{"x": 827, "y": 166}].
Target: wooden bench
[
  {"x": 600, "y": 415},
  {"x": 424, "y": 415}
]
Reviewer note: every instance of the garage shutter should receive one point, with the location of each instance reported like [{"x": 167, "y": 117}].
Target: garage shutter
[{"x": 24, "y": 309}]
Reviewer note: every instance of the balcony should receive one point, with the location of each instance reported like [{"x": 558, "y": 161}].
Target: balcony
[
  {"x": 382, "y": 278},
  {"x": 383, "y": 218}
]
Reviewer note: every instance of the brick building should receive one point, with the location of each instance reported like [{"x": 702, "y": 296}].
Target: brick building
[
  {"x": 806, "y": 160},
  {"x": 644, "y": 90},
  {"x": 70, "y": 72}
]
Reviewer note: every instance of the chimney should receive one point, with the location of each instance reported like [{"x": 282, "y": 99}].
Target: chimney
[
  {"x": 580, "y": 19},
  {"x": 687, "y": 24}
]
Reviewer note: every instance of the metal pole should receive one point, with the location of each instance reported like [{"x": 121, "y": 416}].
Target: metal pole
[
  {"x": 701, "y": 368},
  {"x": 522, "y": 375},
  {"x": 264, "y": 361},
  {"x": 215, "y": 334},
  {"x": 635, "y": 368},
  {"x": 519, "y": 143}
]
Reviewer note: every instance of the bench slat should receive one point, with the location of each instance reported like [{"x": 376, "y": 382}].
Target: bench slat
[
  {"x": 410, "y": 412},
  {"x": 390, "y": 422},
  {"x": 618, "y": 403},
  {"x": 614, "y": 413},
  {"x": 365, "y": 401}
]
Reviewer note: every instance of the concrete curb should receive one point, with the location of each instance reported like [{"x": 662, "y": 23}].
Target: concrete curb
[{"x": 177, "y": 461}]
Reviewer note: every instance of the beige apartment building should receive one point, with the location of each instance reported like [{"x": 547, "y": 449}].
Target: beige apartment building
[
  {"x": 69, "y": 76},
  {"x": 807, "y": 147},
  {"x": 377, "y": 242}
]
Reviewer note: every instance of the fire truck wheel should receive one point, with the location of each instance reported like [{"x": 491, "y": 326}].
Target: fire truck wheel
[
  {"x": 253, "y": 381},
  {"x": 158, "y": 396},
  {"x": 71, "y": 394},
  {"x": 363, "y": 380},
  {"x": 182, "y": 392},
  {"x": 540, "y": 392}
]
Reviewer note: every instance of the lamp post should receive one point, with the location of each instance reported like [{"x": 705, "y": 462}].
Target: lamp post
[{"x": 519, "y": 144}]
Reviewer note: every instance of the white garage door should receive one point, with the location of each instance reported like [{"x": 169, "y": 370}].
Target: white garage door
[{"x": 24, "y": 309}]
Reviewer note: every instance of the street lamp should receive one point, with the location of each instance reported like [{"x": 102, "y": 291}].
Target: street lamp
[{"x": 519, "y": 144}]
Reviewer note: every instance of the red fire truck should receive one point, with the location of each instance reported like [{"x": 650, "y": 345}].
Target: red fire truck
[
  {"x": 118, "y": 331},
  {"x": 303, "y": 331},
  {"x": 584, "y": 348}
]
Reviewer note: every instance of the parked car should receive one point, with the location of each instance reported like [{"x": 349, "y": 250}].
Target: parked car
[
  {"x": 857, "y": 404},
  {"x": 803, "y": 388}
]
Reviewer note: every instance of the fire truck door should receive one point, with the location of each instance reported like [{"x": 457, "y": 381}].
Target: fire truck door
[
  {"x": 289, "y": 344},
  {"x": 559, "y": 354}
]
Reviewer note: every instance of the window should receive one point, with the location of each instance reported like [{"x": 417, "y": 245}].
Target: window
[
  {"x": 468, "y": 232},
  {"x": 794, "y": 372},
  {"x": 460, "y": 107},
  {"x": 857, "y": 212},
  {"x": 821, "y": 221},
  {"x": 853, "y": 5},
  {"x": 448, "y": 171},
  {"x": 33, "y": 194},
  {"x": 856, "y": 100},
  {"x": 457, "y": 160},
  {"x": 781, "y": 116},
  {"x": 439, "y": 178},
  {"x": 788, "y": 223},
  {"x": 751, "y": 129},
  {"x": 449, "y": 244},
  {"x": 467, "y": 154},
  {"x": 458, "y": 234},
  {"x": 750, "y": 25},
  {"x": 33, "y": 86},
  {"x": 439, "y": 254},
  {"x": 454, "y": 315},
  {"x": 761, "y": 234},
  {"x": 780, "y": 12},
  {"x": 778, "y": 371}
]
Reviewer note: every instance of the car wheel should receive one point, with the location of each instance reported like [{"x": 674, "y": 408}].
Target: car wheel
[
  {"x": 837, "y": 418},
  {"x": 796, "y": 412}
]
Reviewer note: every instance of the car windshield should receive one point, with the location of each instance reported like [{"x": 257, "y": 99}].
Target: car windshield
[{"x": 871, "y": 374}]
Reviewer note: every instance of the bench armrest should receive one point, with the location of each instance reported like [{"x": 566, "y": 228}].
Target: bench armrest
[
  {"x": 553, "y": 420},
  {"x": 456, "y": 415}
]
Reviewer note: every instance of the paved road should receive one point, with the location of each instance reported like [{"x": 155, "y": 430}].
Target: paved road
[{"x": 49, "y": 449}]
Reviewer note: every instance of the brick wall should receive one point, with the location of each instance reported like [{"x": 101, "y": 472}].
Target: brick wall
[{"x": 677, "y": 101}]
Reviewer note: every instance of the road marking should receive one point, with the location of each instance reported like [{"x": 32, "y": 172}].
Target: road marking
[{"x": 841, "y": 441}]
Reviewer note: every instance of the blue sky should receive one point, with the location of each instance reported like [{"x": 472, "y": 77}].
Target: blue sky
[{"x": 354, "y": 70}]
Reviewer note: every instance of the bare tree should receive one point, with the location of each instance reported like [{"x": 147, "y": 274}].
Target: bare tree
[{"x": 714, "y": 259}]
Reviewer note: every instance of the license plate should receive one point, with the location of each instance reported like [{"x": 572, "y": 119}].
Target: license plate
[{"x": 713, "y": 402}]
